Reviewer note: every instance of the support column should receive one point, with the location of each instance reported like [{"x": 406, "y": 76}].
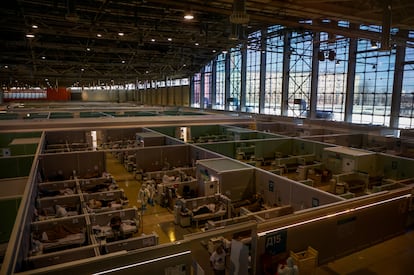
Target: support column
[
  {"x": 242, "y": 106},
  {"x": 227, "y": 80},
  {"x": 202, "y": 88},
  {"x": 286, "y": 64},
  {"x": 398, "y": 82},
  {"x": 350, "y": 81},
  {"x": 314, "y": 77},
  {"x": 263, "y": 60},
  {"x": 213, "y": 83}
]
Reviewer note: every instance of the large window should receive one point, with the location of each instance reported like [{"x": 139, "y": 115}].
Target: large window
[
  {"x": 235, "y": 79},
  {"x": 220, "y": 102},
  {"x": 207, "y": 86},
  {"x": 373, "y": 79},
  {"x": 274, "y": 70},
  {"x": 373, "y": 83},
  {"x": 300, "y": 70},
  {"x": 195, "y": 100},
  {"x": 253, "y": 73},
  {"x": 406, "y": 119},
  {"x": 333, "y": 66}
]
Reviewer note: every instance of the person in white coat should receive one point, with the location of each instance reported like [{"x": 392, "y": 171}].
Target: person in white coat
[
  {"x": 218, "y": 261},
  {"x": 288, "y": 269},
  {"x": 143, "y": 195},
  {"x": 151, "y": 192}
]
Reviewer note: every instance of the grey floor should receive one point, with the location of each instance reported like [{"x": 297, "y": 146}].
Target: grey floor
[{"x": 394, "y": 256}]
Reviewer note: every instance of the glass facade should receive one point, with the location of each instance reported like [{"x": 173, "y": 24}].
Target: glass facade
[
  {"x": 274, "y": 70},
  {"x": 282, "y": 61},
  {"x": 253, "y": 73},
  {"x": 407, "y": 92},
  {"x": 220, "y": 102},
  {"x": 233, "y": 101}
]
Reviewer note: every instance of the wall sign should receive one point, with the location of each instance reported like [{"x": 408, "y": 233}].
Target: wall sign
[
  {"x": 271, "y": 186},
  {"x": 276, "y": 242}
]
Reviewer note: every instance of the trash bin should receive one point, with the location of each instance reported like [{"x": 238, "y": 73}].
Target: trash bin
[{"x": 307, "y": 260}]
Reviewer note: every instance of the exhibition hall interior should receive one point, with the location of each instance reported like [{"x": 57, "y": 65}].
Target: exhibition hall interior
[{"x": 142, "y": 136}]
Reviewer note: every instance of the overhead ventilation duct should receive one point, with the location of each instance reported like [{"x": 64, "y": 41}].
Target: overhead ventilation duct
[
  {"x": 71, "y": 14},
  {"x": 239, "y": 15},
  {"x": 234, "y": 32}
]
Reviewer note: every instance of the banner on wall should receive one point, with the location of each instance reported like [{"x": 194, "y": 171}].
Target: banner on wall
[{"x": 58, "y": 94}]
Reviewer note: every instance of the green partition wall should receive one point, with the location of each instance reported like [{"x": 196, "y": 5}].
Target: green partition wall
[
  {"x": 9, "y": 207},
  {"x": 13, "y": 167}
]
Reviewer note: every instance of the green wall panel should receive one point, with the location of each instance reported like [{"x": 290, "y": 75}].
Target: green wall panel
[
  {"x": 9, "y": 209},
  {"x": 13, "y": 167}
]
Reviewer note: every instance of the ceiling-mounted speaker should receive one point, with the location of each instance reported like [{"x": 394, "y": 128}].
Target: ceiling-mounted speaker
[
  {"x": 71, "y": 14},
  {"x": 6, "y": 152},
  {"x": 331, "y": 55},
  {"x": 321, "y": 56}
]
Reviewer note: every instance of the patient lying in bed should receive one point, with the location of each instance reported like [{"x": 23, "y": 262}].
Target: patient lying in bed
[
  {"x": 58, "y": 211},
  {"x": 94, "y": 205},
  {"x": 117, "y": 229},
  {"x": 62, "y": 192},
  {"x": 61, "y": 236},
  {"x": 209, "y": 208}
]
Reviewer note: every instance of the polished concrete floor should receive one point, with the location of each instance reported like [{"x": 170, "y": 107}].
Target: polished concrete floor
[{"x": 394, "y": 256}]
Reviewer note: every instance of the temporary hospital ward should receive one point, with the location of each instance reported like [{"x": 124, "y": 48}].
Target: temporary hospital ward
[{"x": 234, "y": 137}]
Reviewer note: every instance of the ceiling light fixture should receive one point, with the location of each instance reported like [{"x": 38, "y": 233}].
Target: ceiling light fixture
[
  {"x": 188, "y": 15},
  {"x": 152, "y": 40},
  {"x": 99, "y": 35},
  {"x": 35, "y": 26},
  {"x": 30, "y": 35},
  {"x": 169, "y": 39},
  {"x": 121, "y": 33}
]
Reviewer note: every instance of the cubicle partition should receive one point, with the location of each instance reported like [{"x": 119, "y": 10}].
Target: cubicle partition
[
  {"x": 163, "y": 157},
  {"x": 7, "y": 138},
  {"x": 11, "y": 191},
  {"x": 109, "y": 135},
  {"x": 265, "y": 151},
  {"x": 172, "y": 258},
  {"x": 227, "y": 149},
  {"x": 21, "y": 166},
  {"x": 245, "y": 183},
  {"x": 83, "y": 164},
  {"x": 226, "y": 172},
  {"x": 158, "y": 158},
  {"x": 19, "y": 240},
  {"x": 395, "y": 167},
  {"x": 277, "y": 191},
  {"x": 66, "y": 137}
]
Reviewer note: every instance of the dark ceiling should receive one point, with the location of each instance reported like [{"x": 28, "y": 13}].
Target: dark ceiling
[{"x": 157, "y": 42}]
